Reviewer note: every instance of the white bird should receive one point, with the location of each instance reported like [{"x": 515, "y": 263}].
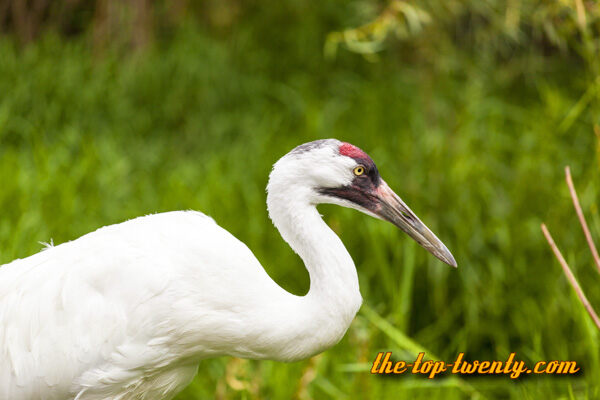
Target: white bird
[{"x": 129, "y": 311}]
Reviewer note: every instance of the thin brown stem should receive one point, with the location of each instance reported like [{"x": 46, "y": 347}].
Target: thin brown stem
[
  {"x": 571, "y": 277},
  {"x": 581, "y": 19},
  {"x": 584, "y": 226}
]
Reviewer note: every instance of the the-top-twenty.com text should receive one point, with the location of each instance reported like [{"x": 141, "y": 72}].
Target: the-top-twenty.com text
[{"x": 511, "y": 367}]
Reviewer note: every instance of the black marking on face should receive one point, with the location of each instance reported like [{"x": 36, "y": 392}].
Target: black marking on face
[
  {"x": 350, "y": 193},
  {"x": 362, "y": 191}
]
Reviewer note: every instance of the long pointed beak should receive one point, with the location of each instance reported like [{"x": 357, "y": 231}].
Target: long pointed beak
[{"x": 391, "y": 208}]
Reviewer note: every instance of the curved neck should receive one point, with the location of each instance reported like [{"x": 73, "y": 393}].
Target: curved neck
[{"x": 334, "y": 296}]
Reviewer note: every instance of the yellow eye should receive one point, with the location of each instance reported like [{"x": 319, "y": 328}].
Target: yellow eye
[{"x": 359, "y": 170}]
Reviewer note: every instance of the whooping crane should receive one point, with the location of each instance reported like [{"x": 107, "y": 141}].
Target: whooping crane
[{"x": 128, "y": 311}]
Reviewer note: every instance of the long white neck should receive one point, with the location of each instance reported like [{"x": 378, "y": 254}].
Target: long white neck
[{"x": 334, "y": 297}]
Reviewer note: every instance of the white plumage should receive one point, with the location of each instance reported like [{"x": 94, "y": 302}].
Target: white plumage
[{"x": 128, "y": 311}]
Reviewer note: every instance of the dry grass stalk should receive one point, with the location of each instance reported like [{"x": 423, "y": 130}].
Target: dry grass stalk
[
  {"x": 591, "y": 245},
  {"x": 584, "y": 226},
  {"x": 571, "y": 277}
]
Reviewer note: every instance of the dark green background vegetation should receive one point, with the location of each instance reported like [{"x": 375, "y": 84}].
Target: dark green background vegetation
[{"x": 471, "y": 109}]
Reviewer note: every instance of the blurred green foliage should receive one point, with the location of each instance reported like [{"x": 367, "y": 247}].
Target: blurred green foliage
[{"x": 471, "y": 110}]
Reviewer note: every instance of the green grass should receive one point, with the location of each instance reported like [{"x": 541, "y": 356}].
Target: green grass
[{"x": 475, "y": 145}]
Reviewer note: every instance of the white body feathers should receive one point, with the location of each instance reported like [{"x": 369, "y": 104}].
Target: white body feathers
[{"x": 128, "y": 311}]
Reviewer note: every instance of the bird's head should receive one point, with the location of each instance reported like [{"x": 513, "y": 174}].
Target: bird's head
[{"x": 333, "y": 172}]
